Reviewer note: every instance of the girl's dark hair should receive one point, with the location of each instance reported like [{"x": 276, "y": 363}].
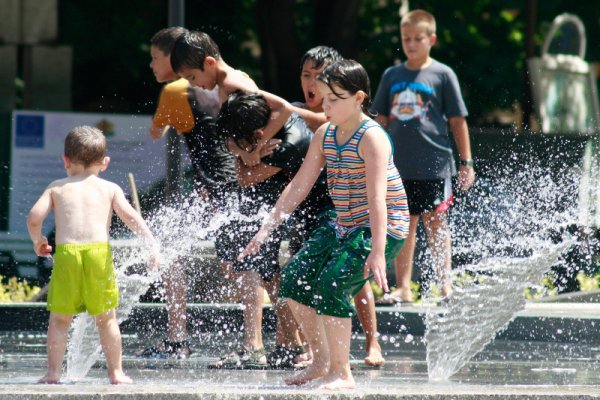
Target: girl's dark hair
[
  {"x": 191, "y": 49},
  {"x": 165, "y": 39},
  {"x": 350, "y": 76},
  {"x": 240, "y": 116},
  {"x": 321, "y": 56}
]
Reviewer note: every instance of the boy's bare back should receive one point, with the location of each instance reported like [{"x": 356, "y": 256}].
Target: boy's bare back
[{"x": 83, "y": 207}]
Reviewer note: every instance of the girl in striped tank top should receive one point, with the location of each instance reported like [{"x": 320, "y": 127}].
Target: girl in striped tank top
[{"x": 351, "y": 244}]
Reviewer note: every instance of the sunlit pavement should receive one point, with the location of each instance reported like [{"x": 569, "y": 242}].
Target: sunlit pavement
[{"x": 505, "y": 369}]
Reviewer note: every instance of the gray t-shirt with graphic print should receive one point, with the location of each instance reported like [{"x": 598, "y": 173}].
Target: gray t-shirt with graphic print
[{"x": 418, "y": 104}]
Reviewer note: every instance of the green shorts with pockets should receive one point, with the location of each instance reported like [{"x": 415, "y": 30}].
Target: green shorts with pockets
[
  {"x": 83, "y": 278},
  {"x": 328, "y": 270}
]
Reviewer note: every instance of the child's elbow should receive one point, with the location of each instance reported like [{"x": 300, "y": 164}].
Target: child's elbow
[{"x": 33, "y": 219}]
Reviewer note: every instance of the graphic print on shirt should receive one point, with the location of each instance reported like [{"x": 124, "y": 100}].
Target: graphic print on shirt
[{"x": 410, "y": 100}]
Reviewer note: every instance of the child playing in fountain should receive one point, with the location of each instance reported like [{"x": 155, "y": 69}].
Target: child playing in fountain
[
  {"x": 191, "y": 111},
  {"x": 83, "y": 277},
  {"x": 313, "y": 62},
  {"x": 369, "y": 224},
  {"x": 196, "y": 57},
  {"x": 241, "y": 122},
  {"x": 416, "y": 101}
]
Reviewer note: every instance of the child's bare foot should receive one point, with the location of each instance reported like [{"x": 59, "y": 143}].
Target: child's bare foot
[
  {"x": 374, "y": 357},
  {"x": 446, "y": 290},
  {"x": 119, "y": 378},
  {"x": 49, "y": 379},
  {"x": 337, "y": 382},
  {"x": 311, "y": 373},
  {"x": 396, "y": 296}
]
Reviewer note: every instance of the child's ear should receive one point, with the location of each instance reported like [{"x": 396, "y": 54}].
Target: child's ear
[
  {"x": 105, "y": 163},
  {"x": 66, "y": 161},
  {"x": 259, "y": 133},
  {"x": 210, "y": 61},
  {"x": 360, "y": 97},
  {"x": 432, "y": 39}
]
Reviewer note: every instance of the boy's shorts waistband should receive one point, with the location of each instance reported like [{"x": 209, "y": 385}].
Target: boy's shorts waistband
[{"x": 82, "y": 246}]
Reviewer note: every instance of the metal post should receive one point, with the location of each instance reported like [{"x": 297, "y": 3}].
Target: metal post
[
  {"x": 530, "y": 27},
  {"x": 174, "y": 173}
]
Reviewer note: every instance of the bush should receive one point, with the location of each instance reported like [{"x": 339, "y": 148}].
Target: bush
[{"x": 13, "y": 290}]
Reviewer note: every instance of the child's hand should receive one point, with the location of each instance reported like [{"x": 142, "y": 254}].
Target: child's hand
[
  {"x": 268, "y": 149},
  {"x": 154, "y": 262},
  {"x": 251, "y": 159},
  {"x": 42, "y": 248},
  {"x": 375, "y": 264},
  {"x": 466, "y": 177},
  {"x": 254, "y": 245}
]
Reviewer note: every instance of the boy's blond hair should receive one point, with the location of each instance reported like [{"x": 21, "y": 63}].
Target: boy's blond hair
[
  {"x": 420, "y": 17},
  {"x": 85, "y": 145}
]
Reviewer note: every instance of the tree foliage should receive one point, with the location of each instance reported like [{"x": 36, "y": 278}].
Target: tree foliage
[{"x": 483, "y": 40}]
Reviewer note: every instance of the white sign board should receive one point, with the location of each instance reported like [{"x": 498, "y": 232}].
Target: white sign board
[{"x": 38, "y": 144}]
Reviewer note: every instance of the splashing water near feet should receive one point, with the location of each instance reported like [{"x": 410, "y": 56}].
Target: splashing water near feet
[{"x": 182, "y": 230}]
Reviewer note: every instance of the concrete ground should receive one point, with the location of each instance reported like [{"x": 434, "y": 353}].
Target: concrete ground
[{"x": 506, "y": 369}]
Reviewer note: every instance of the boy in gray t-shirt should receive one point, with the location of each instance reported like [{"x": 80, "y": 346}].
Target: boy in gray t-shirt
[{"x": 416, "y": 101}]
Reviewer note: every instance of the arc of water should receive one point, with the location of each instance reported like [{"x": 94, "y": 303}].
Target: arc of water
[{"x": 477, "y": 311}]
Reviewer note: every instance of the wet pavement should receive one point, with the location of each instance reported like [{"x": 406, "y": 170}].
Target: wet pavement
[{"x": 505, "y": 369}]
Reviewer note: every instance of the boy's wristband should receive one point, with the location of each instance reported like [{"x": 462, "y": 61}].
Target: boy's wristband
[{"x": 467, "y": 163}]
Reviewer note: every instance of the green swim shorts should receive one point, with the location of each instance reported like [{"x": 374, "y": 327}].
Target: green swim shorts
[
  {"x": 83, "y": 278},
  {"x": 328, "y": 271}
]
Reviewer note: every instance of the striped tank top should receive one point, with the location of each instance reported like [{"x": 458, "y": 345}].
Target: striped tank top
[{"x": 346, "y": 180}]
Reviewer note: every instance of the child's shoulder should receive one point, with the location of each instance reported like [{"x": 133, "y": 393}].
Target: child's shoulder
[
  {"x": 178, "y": 86},
  {"x": 438, "y": 67},
  {"x": 394, "y": 69},
  {"x": 372, "y": 127},
  {"x": 238, "y": 80},
  {"x": 107, "y": 184}
]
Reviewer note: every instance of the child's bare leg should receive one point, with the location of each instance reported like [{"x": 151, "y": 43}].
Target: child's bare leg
[
  {"x": 404, "y": 264},
  {"x": 250, "y": 285},
  {"x": 110, "y": 339},
  {"x": 287, "y": 328},
  {"x": 58, "y": 328},
  {"x": 365, "y": 307},
  {"x": 312, "y": 328},
  {"x": 440, "y": 245},
  {"x": 176, "y": 294},
  {"x": 338, "y": 332}
]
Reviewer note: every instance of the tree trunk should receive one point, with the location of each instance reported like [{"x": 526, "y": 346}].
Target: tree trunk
[
  {"x": 337, "y": 25},
  {"x": 280, "y": 55}
]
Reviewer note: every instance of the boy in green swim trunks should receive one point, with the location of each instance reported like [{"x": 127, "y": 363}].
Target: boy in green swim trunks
[{"x": 83, "y": 277}]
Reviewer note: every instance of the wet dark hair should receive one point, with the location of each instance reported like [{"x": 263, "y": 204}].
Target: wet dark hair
[
  {"x": 165, "y": 39},
  {"x": 350, "y": 76},
  {"x": 240, "y": 116},
  {"x": 321, "y": 56},
  {"x": 191, "y": 49},
  {"x": 85, "y": 145}
]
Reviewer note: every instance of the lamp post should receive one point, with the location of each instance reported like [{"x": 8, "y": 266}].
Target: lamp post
[{"x": 174, "y": 172}]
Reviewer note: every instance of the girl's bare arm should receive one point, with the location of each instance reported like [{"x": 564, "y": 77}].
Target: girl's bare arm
[
  {"x": 376, "y": 151},
  {"x": 294, "y": 193}
]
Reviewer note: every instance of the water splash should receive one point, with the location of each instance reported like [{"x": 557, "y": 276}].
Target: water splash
[
  {"x": 475, "y": 312},
  {"x": 182, "y": 230},
  {"x": 517, "y": 231}
]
